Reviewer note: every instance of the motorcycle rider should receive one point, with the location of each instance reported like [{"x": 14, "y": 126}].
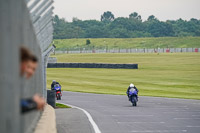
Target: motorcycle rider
[
  {"x": 131, "y": 86},
  {"x": 57, "y": 87},
  {"x": 53, "y": 84}
]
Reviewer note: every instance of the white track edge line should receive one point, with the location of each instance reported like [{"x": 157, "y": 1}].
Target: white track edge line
[{"x": 92, "y": 122}]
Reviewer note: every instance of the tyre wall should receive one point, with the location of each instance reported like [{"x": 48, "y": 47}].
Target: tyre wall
[{"x": 92, "y": 65}]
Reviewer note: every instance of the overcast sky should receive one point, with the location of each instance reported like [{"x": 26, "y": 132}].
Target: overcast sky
[{"x": 162, "y": 9}]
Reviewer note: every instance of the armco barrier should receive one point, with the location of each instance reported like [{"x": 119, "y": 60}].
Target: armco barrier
[
  {"x": 92, "y": 65},
  {"x": 131, "y": 50}
]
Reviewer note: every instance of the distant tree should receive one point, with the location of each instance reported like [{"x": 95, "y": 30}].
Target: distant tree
[
  {"x": 135, "y": 16},
  {"x": 56, "y": 19},
  {"x": 184, "y": 34},
  {"x": 126, "y": 23},
  {"x": 194, "y": 26},
  {"x": 195, "y": 20},
  {"x": 152, "y": 17},
  {"x": 139, "y": 34},
  {"x": 120, "y": 33},
  {"x": 107, "y": 17},
  {"x": 75, "y": 19},
  {"x": 160, "y": 29},
  {"x": 95, "y": 32},
  {"x": 124, "y": 27},
  {"x": 76, "y": 33},
  {"x": 88, "y": 42},
  {"x": 59, "y": 27},
  {"x": 186, "y": 28}
]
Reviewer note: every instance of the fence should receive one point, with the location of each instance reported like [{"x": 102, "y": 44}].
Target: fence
[
  {"x": 130, "y": 50},
  {"x": 28, "y": 23}
]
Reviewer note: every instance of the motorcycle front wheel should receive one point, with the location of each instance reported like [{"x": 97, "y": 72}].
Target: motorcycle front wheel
[{"x": 134, "y": 101}]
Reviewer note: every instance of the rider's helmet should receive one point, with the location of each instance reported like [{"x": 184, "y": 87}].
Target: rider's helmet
[
  {"x": 131, "y": 85},
  {"x": 53, "y": 81}
]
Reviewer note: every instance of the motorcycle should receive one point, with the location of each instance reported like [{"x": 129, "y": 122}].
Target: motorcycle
[
  {"x": 57, "y": 88},
  {"x": 133, "y": 96}
]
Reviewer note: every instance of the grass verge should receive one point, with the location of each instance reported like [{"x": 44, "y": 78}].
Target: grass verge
[
  {"x": 59, "y": 105},
  {"x": 161, "y": 42}
]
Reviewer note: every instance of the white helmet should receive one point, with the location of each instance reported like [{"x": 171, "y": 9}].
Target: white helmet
[
  {"x": 53, "y": 81},
  {"x": 132, "y": 85}
]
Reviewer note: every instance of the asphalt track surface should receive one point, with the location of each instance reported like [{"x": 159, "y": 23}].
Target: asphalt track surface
[
  {"x": 72, "y": 121},
  {"x": 115, "y": 114}
]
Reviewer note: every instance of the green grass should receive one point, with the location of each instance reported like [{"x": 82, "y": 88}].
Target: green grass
[
  {"x": 161, "y": 42},
  {"x": 165, "y": 75},
  {"x": 59, "y": 105}
]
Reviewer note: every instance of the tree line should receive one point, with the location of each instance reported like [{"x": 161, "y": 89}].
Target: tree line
[{"x": 124, "y": 27}]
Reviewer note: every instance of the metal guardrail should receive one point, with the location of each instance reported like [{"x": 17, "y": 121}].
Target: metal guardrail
[
  {"x": 130, "y": 50},
  {"x": 28, "y": 23}
]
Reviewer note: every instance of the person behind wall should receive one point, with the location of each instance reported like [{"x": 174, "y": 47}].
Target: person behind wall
[{"x": 28, "y": 65}]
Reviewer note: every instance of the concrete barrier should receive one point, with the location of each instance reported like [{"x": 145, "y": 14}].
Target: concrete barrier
[
  {"x": 47, "y": 122},
  {"x": 19, "y": 25},
  {"x": 92, "y": 65}
]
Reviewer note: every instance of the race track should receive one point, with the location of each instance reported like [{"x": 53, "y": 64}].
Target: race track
[{"x": 114, "y": 113}]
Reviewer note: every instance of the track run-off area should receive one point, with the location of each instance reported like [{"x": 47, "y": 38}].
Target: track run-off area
[{"x": 114, "y": 113}]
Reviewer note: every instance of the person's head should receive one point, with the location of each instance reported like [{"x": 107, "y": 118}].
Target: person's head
[
  {"x": 54, "y": 81},
  {"x": 24, "y": 59},
  {"x": 131, "y": 85},
  {"x": 31, "y": 66},
  {"x": 28, "y": 62}
]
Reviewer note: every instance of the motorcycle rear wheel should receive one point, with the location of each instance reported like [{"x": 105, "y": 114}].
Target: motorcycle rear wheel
[{"x": 59, "y": 96}]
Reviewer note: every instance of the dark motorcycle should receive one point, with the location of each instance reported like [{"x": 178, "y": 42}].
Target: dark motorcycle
[{"x": 133, "y": 96}]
